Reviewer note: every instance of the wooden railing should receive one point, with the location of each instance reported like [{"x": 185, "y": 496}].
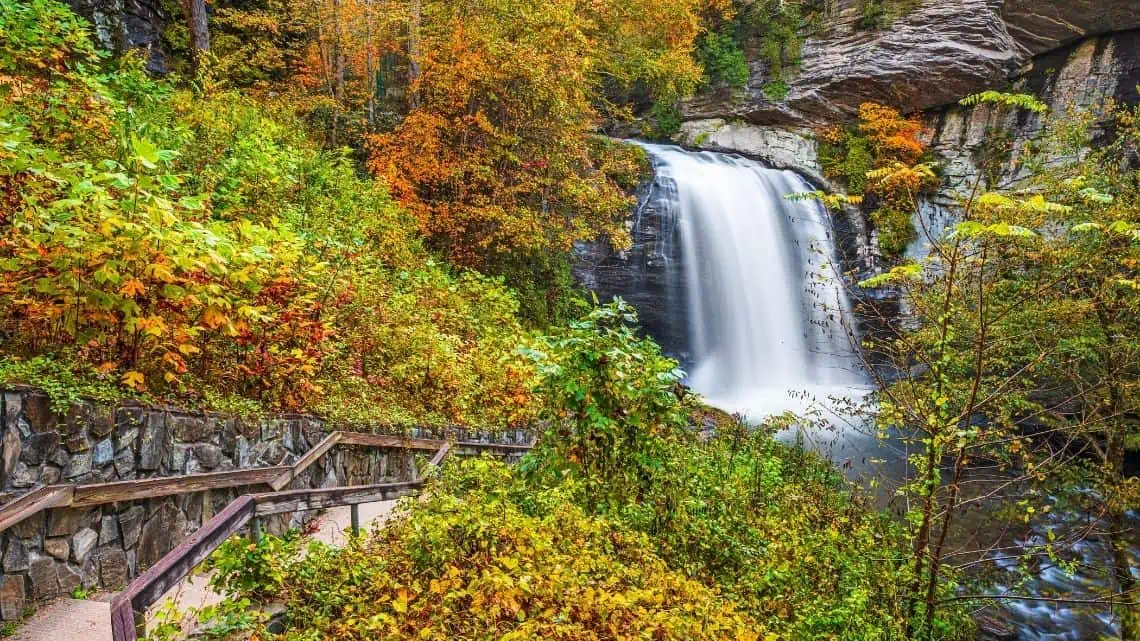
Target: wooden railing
[
  {"x": 128, "y": 609},
  {"x": 278, "y": 477}
]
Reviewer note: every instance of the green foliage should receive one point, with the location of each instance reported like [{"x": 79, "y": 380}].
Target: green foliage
[
  {"x": 612, "y": 401},
  {"x": 194, "y": 245},
  {"x": 64, "y": 382},
  {"x": 896, "y": 231},
  {"x": 776, "y": 90},
  {"x": 470, "y": 560},
  {"x": 723, "y": 60},
  {"x": 776, "y": 26},
  {"x": 256, "y": 570},
  {"x": 880, "y": 158},
  {"x": 878, "y": 14},
  {"x": 847, "y": 155},
  {"x": 42, "y": 36},
  {"x": 666, "y": 120},
  {"x": 1027, "y": 102}
]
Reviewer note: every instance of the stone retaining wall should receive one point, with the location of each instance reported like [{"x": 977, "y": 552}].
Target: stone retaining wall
[{"x": 57, "y": 551}]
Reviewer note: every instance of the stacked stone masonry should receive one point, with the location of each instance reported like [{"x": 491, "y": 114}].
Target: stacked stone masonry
[{"x": 54, "y": 552}]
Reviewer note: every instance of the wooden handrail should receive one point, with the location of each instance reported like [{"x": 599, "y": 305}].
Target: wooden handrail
[
  {"x": 43, "y": 498},
  {"x": 54, "y": 496},
  {"x": 128, "y": 608}
]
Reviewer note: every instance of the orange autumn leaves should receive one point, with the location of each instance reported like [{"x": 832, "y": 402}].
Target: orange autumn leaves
[{"x": 497, "y": 157}]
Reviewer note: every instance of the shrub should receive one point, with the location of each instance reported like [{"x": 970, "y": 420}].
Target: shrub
[
  {"x": 723, "y": 60},
  {"x": 881, "y": 157},
  {"x": 469, "y": 562},
  {"x": 196, "y": 246}
]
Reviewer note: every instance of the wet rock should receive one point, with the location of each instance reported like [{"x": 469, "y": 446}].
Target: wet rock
[
  {"x": 82, "y": 543},
  {"x": 993, "y": 628}
]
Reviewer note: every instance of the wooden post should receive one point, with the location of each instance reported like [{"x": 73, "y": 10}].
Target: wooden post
[
  {"x": 207, "y": 506},
  {"x": 355, "y": 511},
  {"x": 255, "y": 529}
]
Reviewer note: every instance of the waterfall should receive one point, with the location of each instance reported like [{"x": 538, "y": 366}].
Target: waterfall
[{"x": 764, "y": 304}]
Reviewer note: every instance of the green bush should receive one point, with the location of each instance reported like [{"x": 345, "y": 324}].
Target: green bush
[
  {"x": 723, "y": 60},
  {"x": 195, "y": 245}
]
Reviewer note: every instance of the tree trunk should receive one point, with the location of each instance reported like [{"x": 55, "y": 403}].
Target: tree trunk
[
  {"x": 414, "y": 53},
  {"x": 196, "y": 21}
]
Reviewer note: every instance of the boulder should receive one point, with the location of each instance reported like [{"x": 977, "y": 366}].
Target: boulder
[
  {"x": 49, "y": 475},
  {"x": 68, "y": 521},
  {"x": 39, "y": 447},
  {"x": 103, "y": 453},
  {"x": 206, "y": 456},
  {"x": 21, "y": 477},
  {"x": 153, "y": 441},
  {"x": 70, "y": 578}
]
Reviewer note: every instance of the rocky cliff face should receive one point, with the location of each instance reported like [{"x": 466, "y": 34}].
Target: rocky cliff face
[
  {"x": 1078, "y": 76},
  {"x": 932, "y": 56},
  {"x": 122, "y": 25}
]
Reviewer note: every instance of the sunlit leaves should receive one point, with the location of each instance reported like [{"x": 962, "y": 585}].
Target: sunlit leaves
[{"x": 1027, "y": 102}]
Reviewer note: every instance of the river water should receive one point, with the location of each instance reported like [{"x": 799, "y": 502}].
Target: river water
[{"x": 768, "y": 329}]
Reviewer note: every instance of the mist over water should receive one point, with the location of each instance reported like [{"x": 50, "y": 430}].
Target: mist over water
[{"x": 764, "y": 302}]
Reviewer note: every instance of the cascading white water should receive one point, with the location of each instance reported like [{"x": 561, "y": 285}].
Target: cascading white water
[{"x": 764, "y": 302}]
